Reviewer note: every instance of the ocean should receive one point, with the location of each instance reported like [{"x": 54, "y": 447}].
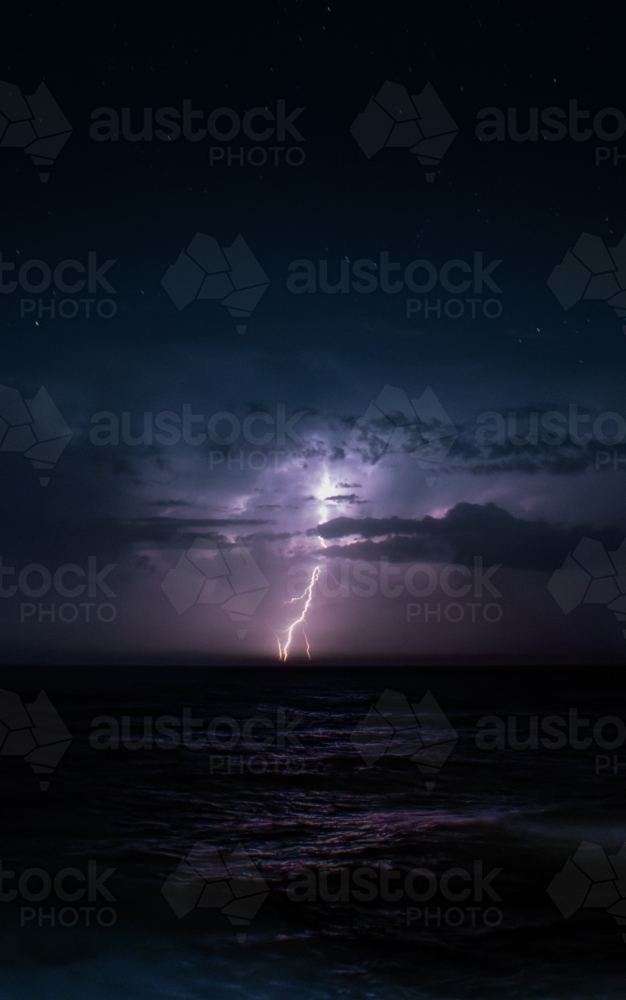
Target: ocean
[{"x": 309, "y": 833}]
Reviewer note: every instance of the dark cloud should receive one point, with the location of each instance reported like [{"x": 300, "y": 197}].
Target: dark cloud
[
  {"x": 478, "y": 457},
  {"x": 349, "y": 498},
  {"x": 467, "y": 530},
  {"x": 170, "y": 503},
  {"x": 165, "y": 529},
  {"x": 272, "y": 536},
  {"x": 468, "y": 455}
]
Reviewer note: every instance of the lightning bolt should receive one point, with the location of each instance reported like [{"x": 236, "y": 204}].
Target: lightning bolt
[{"x": 307, "y": 597}]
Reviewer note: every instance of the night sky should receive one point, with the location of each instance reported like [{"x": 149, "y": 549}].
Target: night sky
[
  {"x": 312, "y": 462},
  {"x": 383, "y": 523}
]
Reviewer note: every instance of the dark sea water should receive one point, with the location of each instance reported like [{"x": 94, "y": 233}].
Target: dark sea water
[{"x": 314, "y": 804}]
